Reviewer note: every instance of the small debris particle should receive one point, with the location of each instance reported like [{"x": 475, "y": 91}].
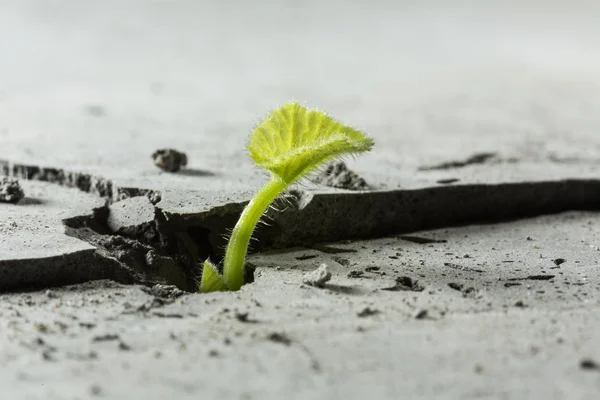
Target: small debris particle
[
  {"x": 51, "y": 295},
  {"x": 367, "y": 312},
  {"x": 558, "y": 261},
  {"x": 477, "y": 158},
  {"x": 478, "y": 368},
  {"x": 372, "y": 269},
  {"x": 540, "y": 277},
  {"x": 156, "y": 302},
  {"x": 421, "y": 314},
  {"x": 462, "y": 268},
  {"x": 341, "y": 261},
  {"x": 166, "y": 315},
  {"x": 422, "y": 240},
  {"x": 279, "y": 338},
  {"x": 164, "y": 291},
  {"x": 124, "y": 346},
  {"x": 338, "y": 175},
  {"x": 47, "y": 355},
  {"x": 306, "y": 257},
  {"x": 244, "y": 318},
  {"x": 529, "y": 238},
  {"x": 105, "y": 338},
  {"x": 509, "y": 284},
  {"x": 213, "y": 353},
  {"x": 10, "y": 190},
  {"x": 169, "y": 160},
  {"x": 61, "y": 325},
  {"x": 456, "y": 286},
  {"x": 534, "y": 278},
  {"x": 520, "y": 304},
  {"x": 318, "y": 278},
  {"x": 447, "y": 181},
  {"x": 95, "y": 390},
  {"x": 355, "y": 274},
  {"x": 405, "y": 283},
  {"x": 589, "y": 364}
]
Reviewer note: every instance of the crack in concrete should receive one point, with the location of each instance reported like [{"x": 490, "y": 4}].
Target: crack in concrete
[
  {"x": 168, "y": 248},
  {"x": 477, "y": 158},
  {"x": 85, "y": 182}
]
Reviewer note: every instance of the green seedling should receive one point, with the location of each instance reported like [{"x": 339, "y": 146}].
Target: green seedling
[{"x": 289, "y": 143}]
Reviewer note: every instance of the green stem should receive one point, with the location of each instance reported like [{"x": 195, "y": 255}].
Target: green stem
[{"x": 235, "y": 255}]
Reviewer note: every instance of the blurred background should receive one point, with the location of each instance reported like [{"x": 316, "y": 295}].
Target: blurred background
[{"x": 90, "y": 84}]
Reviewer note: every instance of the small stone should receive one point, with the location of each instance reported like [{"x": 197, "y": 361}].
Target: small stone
[
  {"x": 124, "y": 346},
  {"x": 318, "y": 278},
  {"x": 169, "y": 160},
  {"x": 338, "y": 175},
  {"x": 589, "y": 364},
  {"x": 213, "y": 353},
  {"x": 355, "y": 274},
  {"x": 278, "y": 337},
  {"x": 96, "y": 390},
  {"x": 559, "y": 261},
  {"x": 367, "y": 312},
  {"x": 10, "y": 190}
]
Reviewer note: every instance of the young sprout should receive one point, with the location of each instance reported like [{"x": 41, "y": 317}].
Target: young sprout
[{"x": 290, "y": 142}]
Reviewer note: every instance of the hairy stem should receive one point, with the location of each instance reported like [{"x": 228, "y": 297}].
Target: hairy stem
[{"x": 235, "y": 254}]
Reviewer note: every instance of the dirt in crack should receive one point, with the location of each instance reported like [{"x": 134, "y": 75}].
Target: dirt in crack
[{"x": 154, "y": 252}]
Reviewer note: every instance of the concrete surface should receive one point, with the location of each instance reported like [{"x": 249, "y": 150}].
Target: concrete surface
[{"x": 482, "y": 112}]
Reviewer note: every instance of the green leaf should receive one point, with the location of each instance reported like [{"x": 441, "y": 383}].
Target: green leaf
[
  {"x": 292, "y": 140},
  {"x": 211, "y": 281}
]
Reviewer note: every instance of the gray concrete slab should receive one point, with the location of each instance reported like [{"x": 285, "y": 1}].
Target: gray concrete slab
[
  {"x": 482, "y": 112},
  {"x": 504, "y": 322}
]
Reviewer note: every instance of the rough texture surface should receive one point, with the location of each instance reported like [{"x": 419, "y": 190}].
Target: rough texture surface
[
  {"x": 491, "y": 315},
  {"x": 10, "y": 190},
  {"x": 482, "y": 112}
]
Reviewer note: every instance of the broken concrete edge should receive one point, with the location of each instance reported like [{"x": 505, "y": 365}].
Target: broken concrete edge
[
  {"x": 61, "y": 270},
  {"x": 85, "y": 182},
  {"x": 336, "y": 175},
  {"x": 316, "y": 217},
  {"x": 182, "y": 241},
  {"x": 169, "y": 248}
]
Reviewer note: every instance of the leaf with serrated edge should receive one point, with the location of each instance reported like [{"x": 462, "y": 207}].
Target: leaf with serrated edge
[{"x": 292, "y": 140}]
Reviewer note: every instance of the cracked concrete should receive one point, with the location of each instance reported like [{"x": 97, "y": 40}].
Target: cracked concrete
[{"x": 466, "y": 265}]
